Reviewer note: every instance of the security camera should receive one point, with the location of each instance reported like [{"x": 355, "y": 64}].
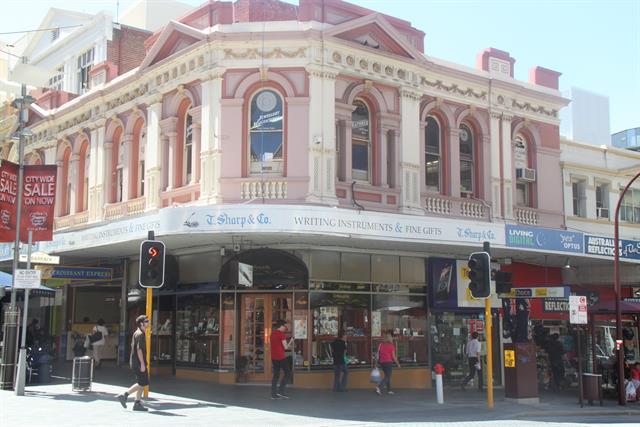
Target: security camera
[
  {"x": 317, "y": 139},
  {"x": 236, "y": 247}
]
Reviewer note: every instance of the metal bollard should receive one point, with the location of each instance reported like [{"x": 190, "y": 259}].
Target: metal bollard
[{"x": 439, "y": 370}]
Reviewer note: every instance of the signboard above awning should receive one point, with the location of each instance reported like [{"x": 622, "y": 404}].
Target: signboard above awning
[{"x": 76, "y": 273}]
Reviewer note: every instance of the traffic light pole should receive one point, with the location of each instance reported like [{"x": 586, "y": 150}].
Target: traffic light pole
[
  {"x": 489, "y": 341},
  {"x": 151, "y": 236}
]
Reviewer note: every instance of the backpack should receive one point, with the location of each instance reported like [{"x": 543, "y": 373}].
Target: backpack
[{"x": 96, "y": 336}]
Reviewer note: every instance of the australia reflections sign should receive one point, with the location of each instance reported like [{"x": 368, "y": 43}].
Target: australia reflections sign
[
  {"x": 605, "y": 246},
  {"x": 543, "y": 238}
]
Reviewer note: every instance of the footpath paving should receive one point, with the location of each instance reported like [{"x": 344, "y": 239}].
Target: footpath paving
[{"x": 177, "y": 402}]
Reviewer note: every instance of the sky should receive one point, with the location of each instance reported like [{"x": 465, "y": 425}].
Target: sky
[{"x": 595, "y": 44}]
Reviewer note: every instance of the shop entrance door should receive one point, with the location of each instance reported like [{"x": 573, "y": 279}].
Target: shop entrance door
[{"x": 258, "y": 313}]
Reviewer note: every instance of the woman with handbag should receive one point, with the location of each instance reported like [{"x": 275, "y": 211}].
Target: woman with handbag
[
  {"x": 386, "y": 358},
  {"x": 97, "y": 340}
]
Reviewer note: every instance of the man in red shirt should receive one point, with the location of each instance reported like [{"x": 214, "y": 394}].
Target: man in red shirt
[{"x": 279, "y": 361}]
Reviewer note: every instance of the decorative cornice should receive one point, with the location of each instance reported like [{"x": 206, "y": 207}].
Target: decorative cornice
[{"x": 527, "y": 107}]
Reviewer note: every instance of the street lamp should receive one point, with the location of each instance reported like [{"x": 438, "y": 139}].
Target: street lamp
[{"x": 616, "y": 286}]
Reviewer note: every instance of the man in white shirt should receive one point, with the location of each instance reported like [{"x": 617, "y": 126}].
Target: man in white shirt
[{"x": 473, "y": 356}]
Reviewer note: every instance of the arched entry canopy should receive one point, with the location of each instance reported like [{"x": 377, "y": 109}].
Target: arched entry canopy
[{"x": 272, "y": 269}]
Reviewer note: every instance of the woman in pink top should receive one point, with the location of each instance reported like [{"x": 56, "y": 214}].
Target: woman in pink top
[{"x": 386, "y": 358}]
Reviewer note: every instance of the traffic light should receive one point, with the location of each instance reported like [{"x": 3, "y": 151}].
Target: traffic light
[
  {"x": 151, "y": 273},
  {"x": 503, "y": 282},
  {"x": 480, "y": 275}
]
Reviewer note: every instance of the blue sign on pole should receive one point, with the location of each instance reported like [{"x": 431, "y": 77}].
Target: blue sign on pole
[
  {"x": 599, "y": 245},
  {"x": 543, "y": 238}
]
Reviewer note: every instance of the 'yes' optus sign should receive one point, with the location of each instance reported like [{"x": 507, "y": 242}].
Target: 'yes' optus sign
[{"x": 518, "y": 236}]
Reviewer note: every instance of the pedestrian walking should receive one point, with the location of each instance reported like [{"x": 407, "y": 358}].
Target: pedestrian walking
[
  {"x": 473, "y": 357},
  {"x": 386, "y": 358},
  {"x": 555, "y": 350},
  {"x": 97, "y": 339},
  {"x": 138, "y": 363},
  {"x": 340, "y": 370},
  {"x": 279, "y": 362}
]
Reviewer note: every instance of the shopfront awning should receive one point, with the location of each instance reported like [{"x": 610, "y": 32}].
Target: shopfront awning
[{"x": 609, "y": 307}]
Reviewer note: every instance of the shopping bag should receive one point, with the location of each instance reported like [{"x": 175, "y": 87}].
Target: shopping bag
[
  {"x": 630, "y": 390},
  {"x": 375, "y": 376}
]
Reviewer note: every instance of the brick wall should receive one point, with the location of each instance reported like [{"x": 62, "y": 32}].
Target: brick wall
[
  {"x": 264, "y": 10},
  {"x": 126, "y": 50}
]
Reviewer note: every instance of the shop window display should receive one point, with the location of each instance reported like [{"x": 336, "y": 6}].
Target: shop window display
[
  {"x": 198, "y": 329},
  {"x": 449, "y": 335},
  {"x": 406, "y": 318},
  {"x": 333, "y": 312},
  {"x": 162, "y": 329}
]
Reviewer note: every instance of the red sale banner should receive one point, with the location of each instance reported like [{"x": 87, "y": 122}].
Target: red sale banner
[
  {"x": 38, "y": 202},
  {"x": 8, "y": 200}
]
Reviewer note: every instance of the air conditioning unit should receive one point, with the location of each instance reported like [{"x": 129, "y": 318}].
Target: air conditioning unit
[
  {"x": 602, "y": 212},
  {"x": 525, "y": 174}
]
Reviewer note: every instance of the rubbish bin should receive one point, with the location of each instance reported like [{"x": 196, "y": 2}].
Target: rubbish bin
[
  {"x": 44, "y": 369},
  {"x": 82, "y": 375},
  {"x": 592, "y": 387}
]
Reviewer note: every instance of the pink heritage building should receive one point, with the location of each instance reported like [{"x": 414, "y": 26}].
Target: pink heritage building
[{"x": 320, "y": 137}]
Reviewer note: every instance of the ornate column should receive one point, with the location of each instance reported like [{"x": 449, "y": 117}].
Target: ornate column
[
  {"x": 153, "y": 155},
  {"x": 383, "y": 138},
  {"x": 410, "y": 152},
  {"x": 507, "y": 166},
  {"x": 169, "y": 140},
  {"x": 108, "y": 173},
  {"x": 496, "y": 185},
  {"x": 74, "y": 163},
  {"x": 96, "y": 172},
  {"x": 210, "y": 139},
  {"x": 322, "y": 136},
  {"x": 126, "y": 147}
]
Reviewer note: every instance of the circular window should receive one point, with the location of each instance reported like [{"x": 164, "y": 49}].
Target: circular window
[
  {"x": 266, "y": 101},
  {"x": 464, "y": 135}
]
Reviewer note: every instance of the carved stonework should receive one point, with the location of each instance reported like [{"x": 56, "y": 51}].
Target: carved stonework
[{"x": 255, "y": 53}]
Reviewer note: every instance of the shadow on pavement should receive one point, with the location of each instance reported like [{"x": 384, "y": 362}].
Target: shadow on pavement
[{"x": 355, "y": 405}]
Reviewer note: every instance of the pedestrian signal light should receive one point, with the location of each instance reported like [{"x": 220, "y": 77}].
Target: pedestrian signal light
[
  {"x": 151, "y": 272},
  {"x": 480, "y": 275},
  {"x": 503, "y": 282}
]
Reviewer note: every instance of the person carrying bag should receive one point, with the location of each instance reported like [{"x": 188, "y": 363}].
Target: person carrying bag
[{"x": 386, "y": 358}]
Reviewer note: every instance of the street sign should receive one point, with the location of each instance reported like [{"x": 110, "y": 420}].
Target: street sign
[
  {"x": 578, "y": 309},
  {"x": 542, "y": 292},
  {"x": 41, "y": 258},
  {"x": 509, "y": 359},
  {"x": 27, "y": 279}
]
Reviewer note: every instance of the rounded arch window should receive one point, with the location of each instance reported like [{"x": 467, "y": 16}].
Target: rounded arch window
[
  {"x": 266, "y": 134},
  {"x": 360, "y": 141},
  {"x": 524, "y": 175},
  {"x": 466, "y": 160},
  {"x": 432, "y": 155}
]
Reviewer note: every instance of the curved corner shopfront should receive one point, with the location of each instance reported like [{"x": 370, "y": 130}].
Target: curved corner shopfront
[{"x": 220, "y": 331}]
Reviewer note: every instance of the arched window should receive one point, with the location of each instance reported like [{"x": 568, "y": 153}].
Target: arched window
[
  {"x": 361, "y": 142},
  {"x": 120, "y": 171},
  {"x": 141, "y": 171},
  {"x": 65, "y": 201},
  {"x": 432, "y": 156},
  {"x": 187, "y": 161},
  {"x": 266, "y": 133},
  {"x": 524, "y": 175},
  {"x": 466, "y": 161}
]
